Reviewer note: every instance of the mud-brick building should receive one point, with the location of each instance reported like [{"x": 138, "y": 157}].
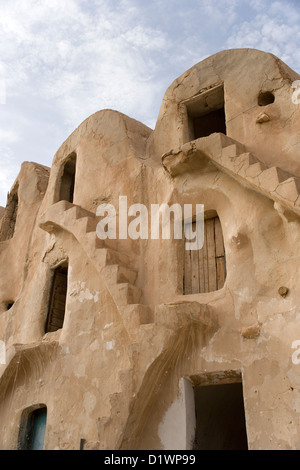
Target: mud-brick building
[{"x": 140, "y": 343}]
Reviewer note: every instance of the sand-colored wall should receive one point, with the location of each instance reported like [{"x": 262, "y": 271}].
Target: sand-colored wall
[
  {"x": 120, "y": 372},
  {"x": 244, "y": 74}
]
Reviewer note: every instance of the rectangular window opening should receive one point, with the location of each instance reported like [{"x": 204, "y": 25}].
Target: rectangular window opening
[
  {"x": 220, "y": 417},
  {"x": 67, "y": 184},
  {"x": 57, "y": 304},
  {"x": 206, "y": 113}
]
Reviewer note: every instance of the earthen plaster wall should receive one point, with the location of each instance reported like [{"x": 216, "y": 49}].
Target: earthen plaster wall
[{"x": 113, "y": 374}]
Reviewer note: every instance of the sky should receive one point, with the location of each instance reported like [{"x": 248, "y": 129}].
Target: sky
[{"x": 63, "y": 60}]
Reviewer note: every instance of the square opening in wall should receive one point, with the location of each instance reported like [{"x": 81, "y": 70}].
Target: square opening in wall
[
  {"x": 220, "y": 417},
  {"x": 206, "y": 113}
]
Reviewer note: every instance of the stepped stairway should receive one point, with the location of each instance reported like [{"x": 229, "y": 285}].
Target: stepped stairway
[
  {"x": 232, "y": 158},
  {"x": 119, "y": 277},
  {"x": 113, "y": 266}
]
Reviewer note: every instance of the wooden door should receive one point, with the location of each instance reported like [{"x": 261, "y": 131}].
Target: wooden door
[
  {"x": 205, "y": 269},
  {"x": 58, "y": 300}
]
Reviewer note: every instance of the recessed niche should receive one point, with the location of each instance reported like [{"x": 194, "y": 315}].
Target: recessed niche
[
  {"x": 67, "y": 183},
  {"x": 206, "y": 113},
  {"x": 265, "y": 98}
]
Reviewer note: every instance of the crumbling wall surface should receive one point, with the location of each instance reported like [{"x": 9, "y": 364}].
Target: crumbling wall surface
[{"x": 120, "y": 372}]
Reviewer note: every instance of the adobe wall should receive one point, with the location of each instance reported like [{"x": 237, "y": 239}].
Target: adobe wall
[
  {"x": 113, "y": 375},
  {"x": 245, "y": 73}
]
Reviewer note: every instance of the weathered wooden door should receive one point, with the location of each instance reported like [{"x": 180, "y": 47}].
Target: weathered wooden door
[
  {"x": 205, "y": 269},
  {"x": 58, "y": 300}
]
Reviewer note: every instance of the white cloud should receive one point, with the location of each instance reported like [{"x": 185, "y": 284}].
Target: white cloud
[
  {"x": 8, "y": 136},
  {"x": 66, "y": 54},
  {"x": 274, "y": 29}
]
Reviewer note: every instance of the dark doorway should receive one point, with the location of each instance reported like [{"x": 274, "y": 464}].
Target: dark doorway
[
  {"x": 209, "y": 123},
  {"x": 32, "y": 429},
  {"x": 68, "y": 180},
  {"x": 220, "y": 417},
  {"x": 206, "y": 113},
  {"x": 57, "y": 304}
]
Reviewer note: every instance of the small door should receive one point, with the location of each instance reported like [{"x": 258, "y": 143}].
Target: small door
[
  {"x": 58, "y": 298},
  {"x": 220, "y": 417},
  {"x": 205, "y": 269},
  {"x": 39, "y": 420},
  {"x": 33, "y": 429}
]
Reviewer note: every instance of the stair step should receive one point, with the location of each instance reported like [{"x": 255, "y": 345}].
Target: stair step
[
  {"x": 232, "y": 150},
  {"x": 255, "y": 169},
  {"x": 125, "y": 294},
  {"x": 136, "y": 317},
  {"x": 107, "y": 256},
  {"x": 289, "y": 189},
  {"x": 119, "y": 274},
  {"x": 272, "y": 177},
  {"x": 79, "y": 212},
  {"x": 85, "y": 225},
  {"x": 92, "y": 241}
]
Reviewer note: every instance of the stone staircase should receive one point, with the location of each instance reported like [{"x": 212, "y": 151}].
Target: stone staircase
[
  {"x": 148, "y": 336},
  {"x": 119, "y": 277},
  {"x": 232, "y": 158},
  {"x": 114, "y": 267}
]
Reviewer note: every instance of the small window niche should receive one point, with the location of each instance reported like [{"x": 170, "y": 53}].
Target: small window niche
[
  {"x": 33, "y": 428},
  {"x": 205, "y": 269},
  {"x": 67, "y": 183},
  {"x": 58, "y": 297},
  {"x": 9, "y": 219},
  {"x": 265, "y": 98},
  {"x": 206, "y": 113}
]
